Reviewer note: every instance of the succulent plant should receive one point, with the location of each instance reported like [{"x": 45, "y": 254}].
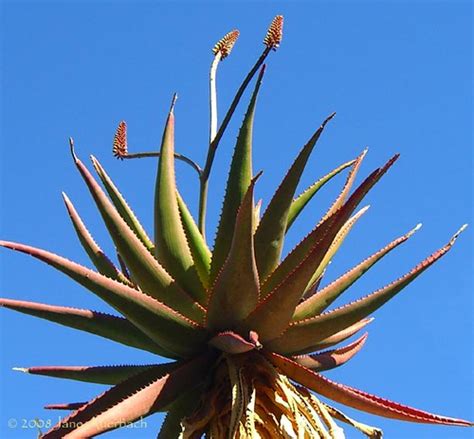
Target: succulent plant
[{"x": 247, "y": 330}]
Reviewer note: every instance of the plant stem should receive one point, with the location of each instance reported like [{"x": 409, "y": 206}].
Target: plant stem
[
  {"x": 213, "y": 144},
  {"x": 213, "y": 97},
  {"x": 177, "y": 156}
]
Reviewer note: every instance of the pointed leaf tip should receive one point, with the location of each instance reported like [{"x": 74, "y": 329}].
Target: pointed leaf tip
[
  {"x": 173, "y": 102},
  {"x": 330, "y": 117},
  {"x": 414, "y": 230},
  {"x": 455, "y": 236},
  {"x": 71, "y": 148}
]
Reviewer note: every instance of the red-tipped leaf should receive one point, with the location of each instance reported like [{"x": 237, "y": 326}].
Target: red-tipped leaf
[
  {"x": 356, "y": 398},
  {"x": 135, "y": 398},
  {"x": 162, "y": 324}
]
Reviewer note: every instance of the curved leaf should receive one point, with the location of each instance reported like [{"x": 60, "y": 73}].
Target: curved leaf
[
  {"x": 301, "y": 251},
  {"x": 238, "y": 182},
  {"x": 97, "y": 374},
  {"x": 144, "y": 268},
  {"x": 318, "y": 302},
  {"x": 271, "y": 230},
  {"x": 162, "y": 324},
  {"x": 356, "y": 398},
  {"x": 104, "y": 325},
  {"x": 100, "y": 260},
  {"x": 290, "y": 343},
  {"x": 341, "y": 198},
  {"x": 331, "y": 359},
  {"x": 235, "y": 292},
  {"x": 233, "y": 343},
  {"x": 329, "y": 323},
  {"x": 171, "y": 245},
  {"x": 274, "y": 313},
  {"x": 199, "y": 249},
  {"x": 300, "y": 202},
  {"x": 335, "y": 245},
  {"x": 135, "y": 398},
  {"x": 122, "y": 206}
]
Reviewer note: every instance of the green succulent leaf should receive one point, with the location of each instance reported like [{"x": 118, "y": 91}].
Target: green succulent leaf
[
  {"x": 334, "y": 247},
  {"x": 235, "y": 292},
  {"x": 274, "y": 313},
  {"x": 104, "y": 325},
  {"x": 238, "y": 183},
  {"x": 122, "y": 206},
  {"x": 165, "y": 326},
  {"x": 317, "y": 303},
  {"x": 98, "y": 374},
  {"x": 199, "y": 249},
  {"x": 100, "y": 260},
  {"x": 135, "y": 398},
  {"x": 145, "y": 269},
  {"x": 330, "y": 323},
  {"x": 356, "y": 398},
  {"x": 300, "y": 202},
  {"x": 301, "y": 251},
  {"x": 341, "y": 198},
  {"x": 270, "y": 233},
  {"x": 289, "y": 343},
  {"x": 171, "y": 243}
]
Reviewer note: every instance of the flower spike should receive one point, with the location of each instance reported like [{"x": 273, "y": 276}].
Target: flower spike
[
  {"x": 275, "y": 33},
  {"x": 225, "y": 45},
  {"x": 120, "y": 149}
]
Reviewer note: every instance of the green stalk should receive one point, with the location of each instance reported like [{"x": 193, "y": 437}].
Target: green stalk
[{"x": 213, "y": 144}]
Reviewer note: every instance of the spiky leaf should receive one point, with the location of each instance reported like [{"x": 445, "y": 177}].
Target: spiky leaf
[
  {"x": 235, "y": 292},
  {"x": 104, "y": 325},
  {"x": 162, "y": 324},
  {"x": 356, "y": 398},
  {"x": 318, "y": 302},
  {"x": 171, "y": 243},
  {"x": 334, "y": 321},
  {"x": 271, "y": 230},
  {"x": 300, "y": 202},
  {"x": 238, "y": 183},
  {"x": 332, "y": 358},
  {"x": 301, "y": 251},
  {"x": 103, "y": 264},
  {"x": 199, "y": 249},
  {"x": 122, "y": 206},
  {"x": 98, "y": 374},
  {"x": 145, "y": 269},
  {"x": 135, "y": 398}
]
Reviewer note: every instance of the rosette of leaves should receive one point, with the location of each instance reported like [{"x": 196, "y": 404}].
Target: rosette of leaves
[{"x": 248, "y": 331}]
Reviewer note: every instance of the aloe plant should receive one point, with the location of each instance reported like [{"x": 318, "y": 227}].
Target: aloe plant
[{"x": 247, "y": 329}]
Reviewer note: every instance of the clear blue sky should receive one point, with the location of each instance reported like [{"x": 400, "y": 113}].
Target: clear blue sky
[{"x": 398, "y": 74}]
